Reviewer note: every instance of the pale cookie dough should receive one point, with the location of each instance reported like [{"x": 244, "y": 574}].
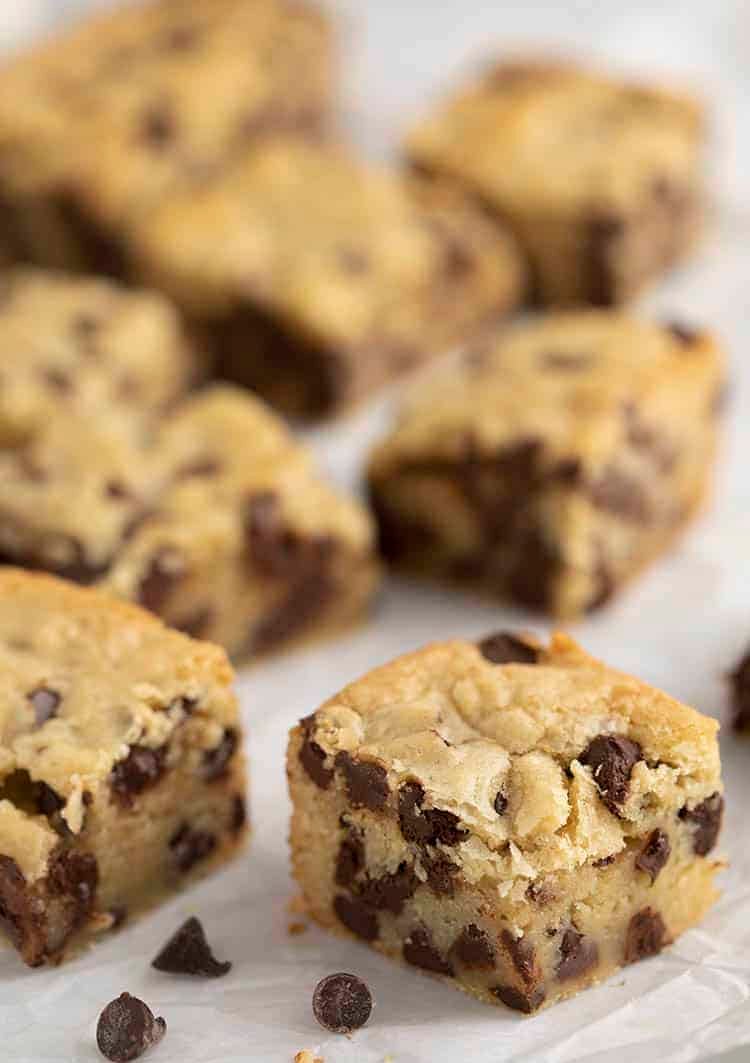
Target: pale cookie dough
[{"x": 521, "y": 819}]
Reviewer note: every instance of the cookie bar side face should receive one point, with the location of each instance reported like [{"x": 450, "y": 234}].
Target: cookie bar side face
[
  {"x": 124, "y": 778},
  {"x": 485, "y": 898},
  {"x": 624, "y": 204}
]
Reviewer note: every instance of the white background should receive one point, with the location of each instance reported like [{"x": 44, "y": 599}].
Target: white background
[{"x": 681, "y": 627}]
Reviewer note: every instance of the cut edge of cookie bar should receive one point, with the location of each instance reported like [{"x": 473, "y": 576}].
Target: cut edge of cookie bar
[
  {"x": 137, "y": 793},
  {"x": 518, "y": 819},
  {"x": 599, "y": 253},
  {"x": 557, "y": 522}
]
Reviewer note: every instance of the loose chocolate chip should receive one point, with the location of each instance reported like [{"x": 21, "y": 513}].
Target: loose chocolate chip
[
  {"x": 619, "y": 493},
  {"x": 215, "y": 761},
  {"x": 646, "y": 935},
  {"x": 523, "y": 957},
  {"x": 611, "y": 759},
  {"x": 356, "y": 917},
  {"x": 740, "y": 694},
  {"x": 566, "y": 361},
  {"x": 45, "y": 702},
  {"x": 164, "y": 572},
  {"x": 473, "y": 948},
  {"x": 312, "y": 756},
  {"x": 58, "y": 380},
  {"x": 706, "y": 819},
  {"x": 127, "y": 1028},
  {"x": 426, "y": 826},
  {"x": 341, "y": 1003},
  {"x": 366, "y": 782},
  {"x": 391, "y": 891},
  {"x": 420, "y": 951},
  {"x": 239, "y": 814},
  {"x": 578, "y": 954},
  {"x": 188, "y": 952},
  {"x": 441, "y": 873},
  {"x": 350, "y": 860},
  {"x": 501, "y": 803},
  {"x": 141, "y": 769},
  {"x": 505, "y": 648},
  {"x": 189, "y": 847},
  {"x": 519, "y": 1001},
  {"x": 158, "y": 125},
  {"x": 654, "y": 854},
  {"x": 683, "y": 334}
]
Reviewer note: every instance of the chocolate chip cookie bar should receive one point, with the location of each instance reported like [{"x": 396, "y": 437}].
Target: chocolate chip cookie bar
[
  {"x": 522, "y": 820},
  {"x": 85, "y": 348},
  {"x": 318, "y": 278},
  {"x": 211, "y": 516},
  {"x": 98, "y": 123},
  {"x": 600, "y": 178},
  {"x": 556, "y": 461},
  {"x": 121, "y": 768}
]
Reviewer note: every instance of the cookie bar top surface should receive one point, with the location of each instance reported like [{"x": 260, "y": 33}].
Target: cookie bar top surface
[
  {"x": 543, "y": 757},
  {"x": 85, "y": 346},
  {"x": 130, "y": 100},
  {"x": 349, "y": 254},
  {"x": 85, "y": 677},
  {"x": 572, "y": 380},
  {"x": 554, "y": 137}
]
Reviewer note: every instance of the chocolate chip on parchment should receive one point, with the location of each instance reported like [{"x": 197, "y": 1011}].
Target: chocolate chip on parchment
[
  {"x": 419, "y": 950},
  {"x": 356, "y": 917},
  {"x": 366, "y": 782},
  {"x": 740, "y": 692},
  {"x": 189, "y": 847},
  {"x": 312, "y": 756},
  {"x": 142, "y": 768},
  {"x": 45, "y": 702},
  {"x": 611, "y": 759},
  {"x": 706, "y": 820},
  {"x": 426, "y": 826},
  {"x": 654, "y": 854},
  {"x": 215, "y": 761},
  {"x": 506, "y": 648},
  {"x": 342, "y": 1002},
  {"x": 578, "y": 954},
  {"x": 646, "y": 935},
  {"x": 473, "y": 948},
  {"x": 127, "y": 1028},
  {"x": 188, "y": 952}
]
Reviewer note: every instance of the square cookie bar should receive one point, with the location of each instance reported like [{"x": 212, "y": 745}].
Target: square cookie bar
[
  {"x": 85, "y": 348},
  {"x": 599, "y": 178},
  {"x": 556, "y": 462},
  {"x": 212, "y": 516},
  {"x": 317, "y": 278},
  {"x": 520, "y": 819},
  {"x": 121, "y": 768},
  {"x": 101, "y": 121}
]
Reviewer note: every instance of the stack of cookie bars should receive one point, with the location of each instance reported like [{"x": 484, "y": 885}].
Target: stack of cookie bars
[{"x": 181, "y": 222}]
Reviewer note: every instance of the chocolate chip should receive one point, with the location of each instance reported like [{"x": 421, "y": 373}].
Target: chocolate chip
[
  {"x": 532, "y": 578},
  {"x": 518, "y": 1000},
  {"x": 389, "y": 892},
  {"x": 141, "y": 769},
  {"x": 566, "y": 361},
  {"x": 197, "y": 623},
  {"x": 604, "y": 231},
  {"x": 45, "y": 702},
  {"x": 215, "y": 761},
  {"x": 341, "y": 1003},
  {"x": 307, "y": 598},
  {"x": 158, "y": 125},
  {"x": 654, "y": 854},
  {"x": 646, "y": 935},
  {"x": 426, "y": 826},
  {"x": 271, "y": 549},
  {"x": 239, "y": 814},
  {"x": 740, "y": 694},
  {"x": 578, "y": 954},
  {"x": 47, "y": 800},
  {"x": 611, "y": 759},
  {"x": 366, "y": 782},
  {"x": 506, "y": 648},
  {"x": 164, "y": 572},
  {"x": 58, "y": 379},
  {"x": 312, "y": 756},
  {"x": 350, "y": 860},
  {"x": 473, "y": 948},
  {"x": 420, "y": 951},
  {"x": 356, "y": 917},
  {"x": 605, "y": 861},
  {"x": 188, "y": 952},
  {"x": 127, "y": 1028},
  {"x": 523, "y": 958},
  {"x": 75, "y": 876},
  {"x": 118, "y": 491},
  {"x": 683, "y": 334},
  {"x": 706, "y": 819},
  {"x": 189, "y": 847},
  {"x": 500, "y": 803},
  {"x": 617, "y": 492},
  {"x": 14, "y": 905},
  {"x": 441, "y": 873}
]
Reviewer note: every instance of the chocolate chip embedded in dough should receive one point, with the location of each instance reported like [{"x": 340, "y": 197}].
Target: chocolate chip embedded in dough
[
  {"x": 139, "y": 770},
  {"x": 356, "y": 917},
  {"x": 646, "y": 935},
  {"x": 505, "y": 648},
  {"x": 390, "y": 892},
  {"x": 473, "y": 948},
  {"x": 426, "y": 826},
  {"x": 578, "y": 954},
  {"x": 705, "y": 819},
  {"x": 523, "y": 957},
  {"x": 350, "y": 860},
  {"x": 164, "y": 572},
  {"x": 158, "y": 125},
  {"x": 611, "y": 759},
  {"x": 420, "y": 951},
  {"x": 517, "y": 999},
  {"x": 654, "y": 854},
  {"x": 188, "y": 847},
  {"x": 312, "y": 756},
  {"x": 366, "y": 782},
  {"x": 216, "y": 761}
]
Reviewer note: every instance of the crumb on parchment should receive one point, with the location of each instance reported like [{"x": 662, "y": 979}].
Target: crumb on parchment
[{"x": 306, "y": 1056}]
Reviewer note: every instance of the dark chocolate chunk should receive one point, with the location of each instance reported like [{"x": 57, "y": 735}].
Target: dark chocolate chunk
[
  {"x": 312, "y": 756},
  {"x": 420, "y": 951},
  {"x": 441, "y": 873},
  {"x": 350, "y": 860},
  {"x": 506, "y": 648},
  {"x": 501, "y": 803},
  {"x": 341, "y": 1003},
  {"x": 517, "y": 999},
  {"x": 158, "y": 125},
  {"x": 163, "y": 573},
  {"x": 654, "y": 854},
  {"x": 75, "y": 876},
  {"x": 426, "y": 826},
  {"x": 617, "y": 492},
  {"x": 531, "y": 580},
  {"x": 215, "y": 761},
  {"x": 473, "y": 948},
  {"x": 356, "y": 917},
  {"x": 391, "y": 891},
  {"x": 48, "y": 801},
  {"x": 306, "y": 600},
  {"x": 14, "y": 909},
  {"x": 366, "y": 782},
  {"x": 578, "y": 954},
  {"x": 189, "y": 847},
  {"x": 141, "y": 769},
  {"x": 611, "y": 759},
  {"x": 45, "y": 702},
  {"x": 188, "y": 952},
  {"x": 646, "y": 935},
  {"x": 127, "y": 1028},
  {"x": 740, "y": 693},
  {"x": 706, "y": 819},
  {"x": 239, "y": 814},
  {"x": 523, "y": 957}
]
